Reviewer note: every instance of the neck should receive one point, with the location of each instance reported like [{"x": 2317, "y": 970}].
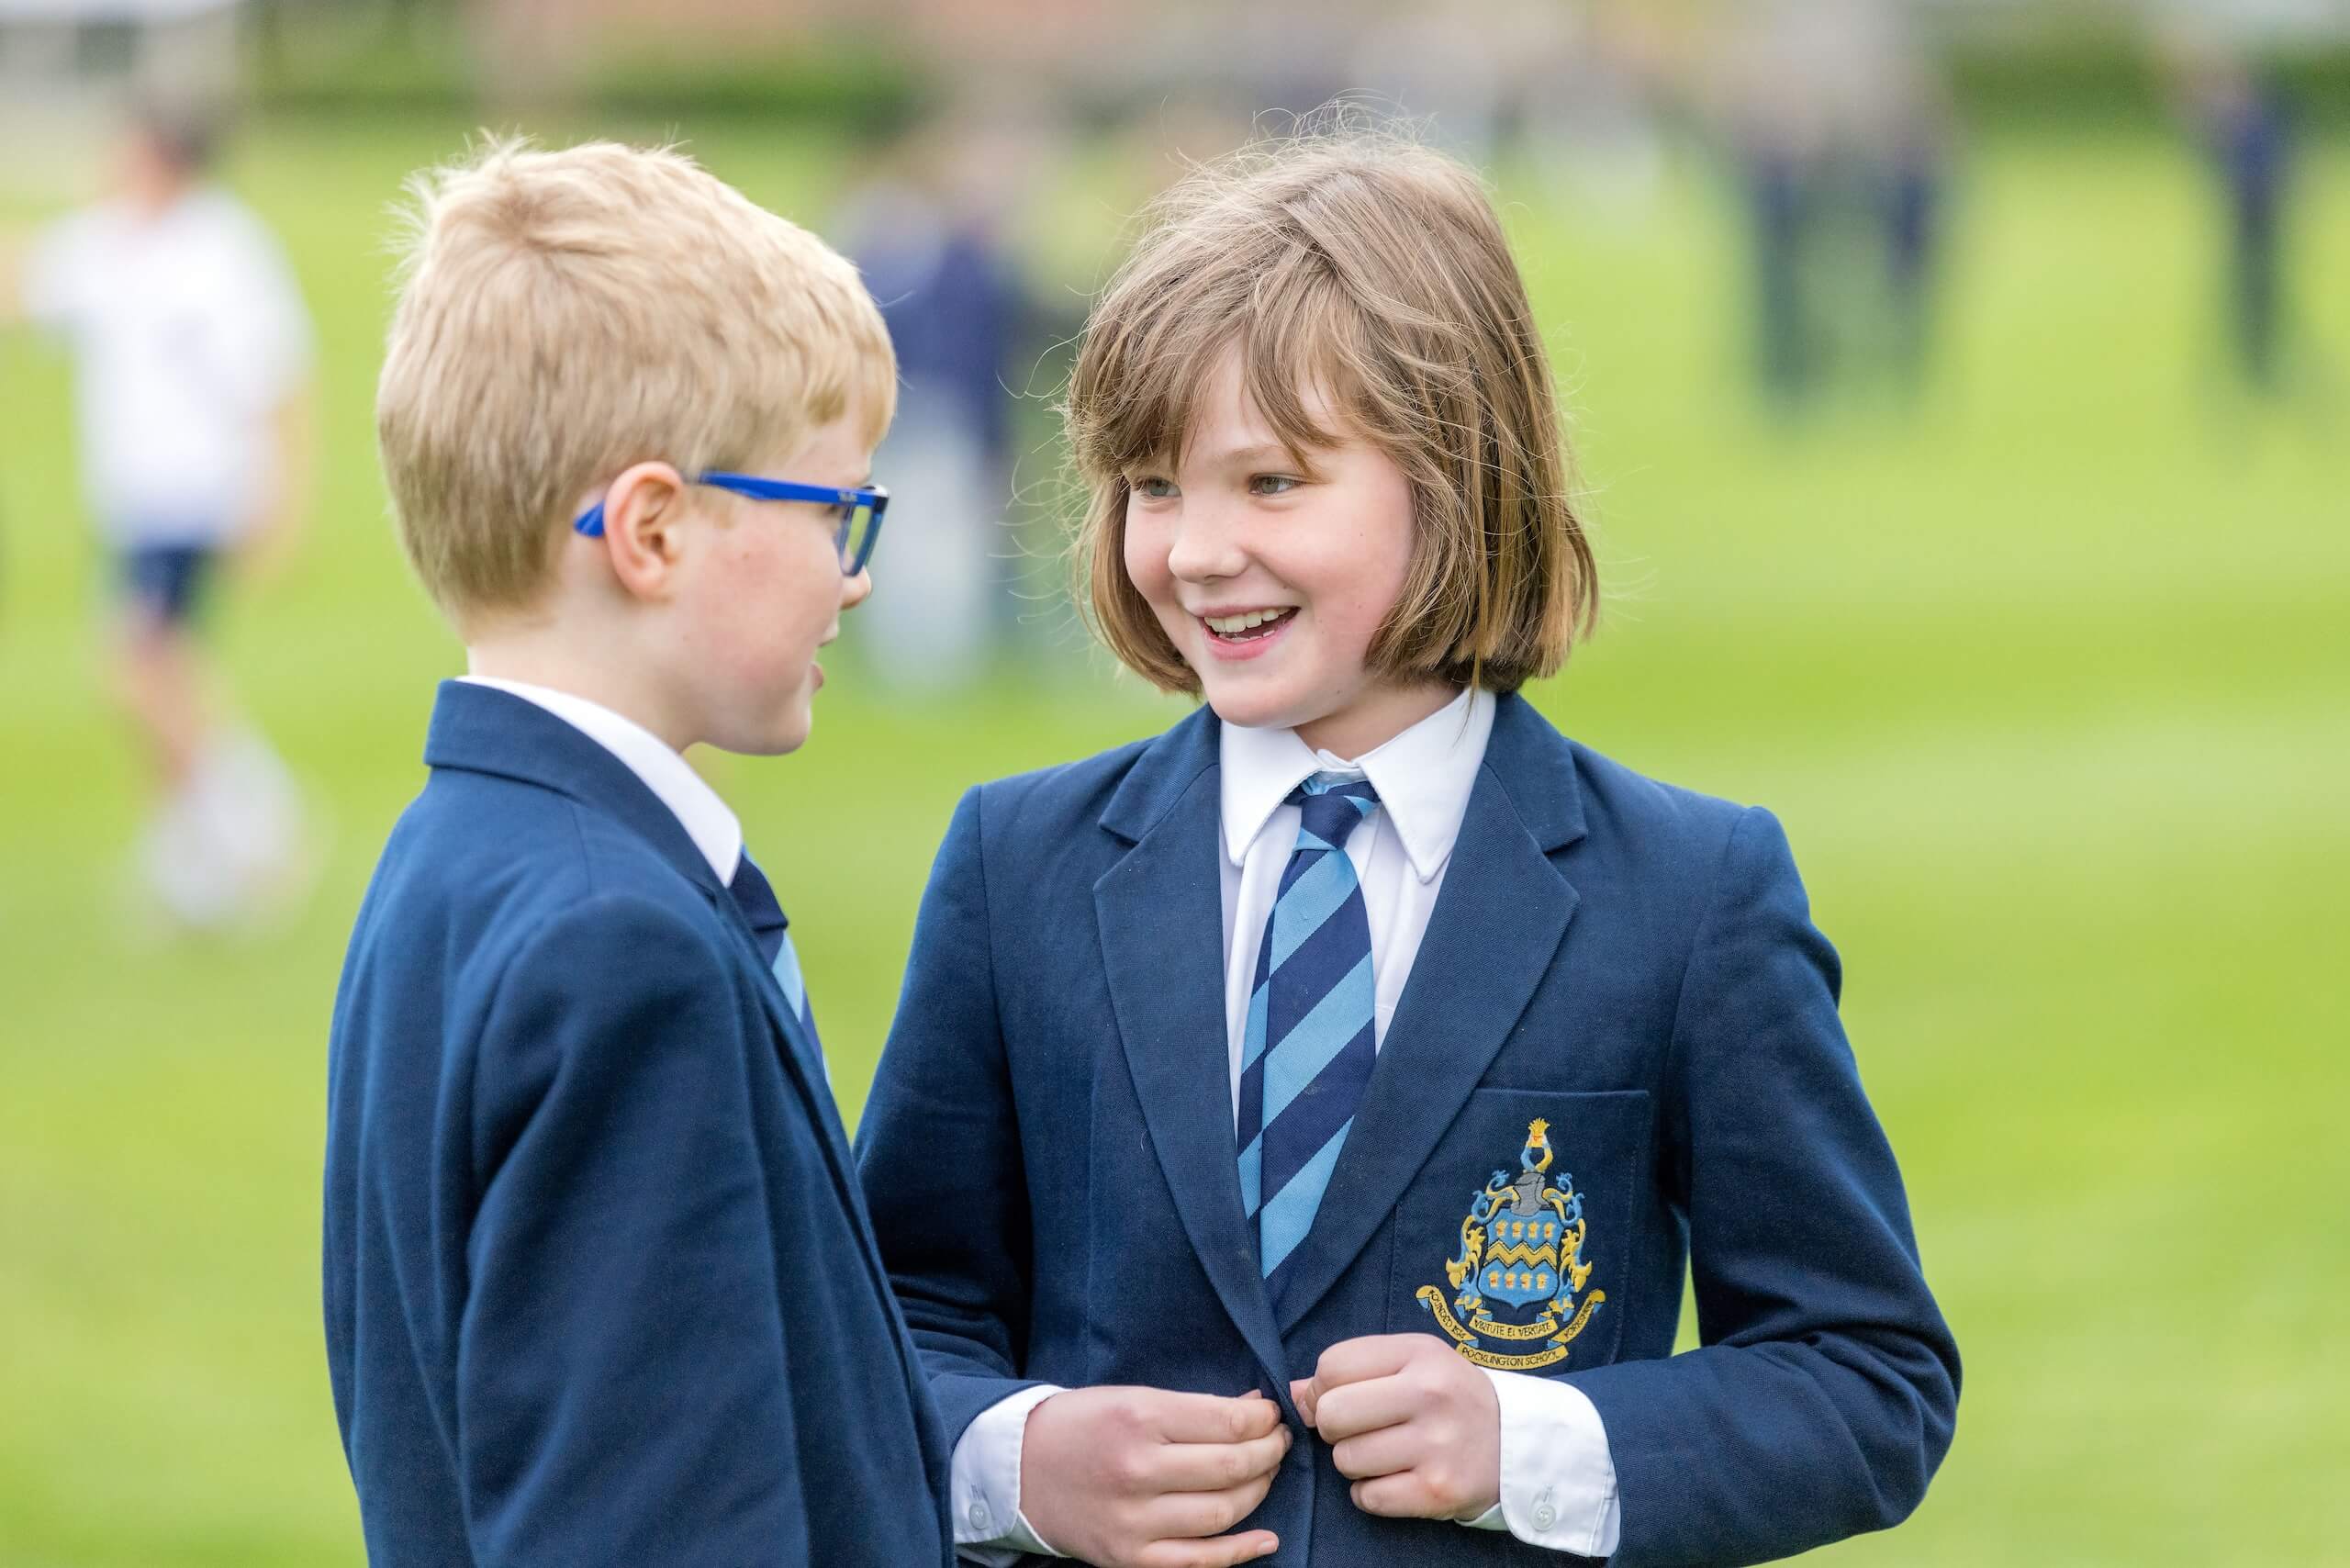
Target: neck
[
  {"x": 534, "y": 661},
  {"x": 1377, "y": 718},
  {"x": 153, "y": 201}
]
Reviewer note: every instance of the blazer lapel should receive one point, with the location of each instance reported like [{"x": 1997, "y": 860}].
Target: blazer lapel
[
  {"x": 480, "y": 729},
  {"x": 802, "y": 1059},
  {"x": 1161, "y": 912},
  {"x": 484, "y": 730},
  {"x": 804, "y": 1064},
  {"x": 1491, "y": 937}
]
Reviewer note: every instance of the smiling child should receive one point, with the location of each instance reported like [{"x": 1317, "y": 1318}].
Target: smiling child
[{"x": 1323, "y": 1101}]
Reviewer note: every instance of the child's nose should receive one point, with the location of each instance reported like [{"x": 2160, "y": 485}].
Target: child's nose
[
  {"x": 1207, "y": 545},
  {"x": 855, "y": 590}
]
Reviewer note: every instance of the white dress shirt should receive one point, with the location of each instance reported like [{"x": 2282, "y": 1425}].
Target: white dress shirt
[
  {"x": 716, "y": 831},
  {"x": 1557, "y": 1482}
]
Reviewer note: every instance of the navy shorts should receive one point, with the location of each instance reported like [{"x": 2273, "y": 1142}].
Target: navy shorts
[{"x": 166, "y": 582}]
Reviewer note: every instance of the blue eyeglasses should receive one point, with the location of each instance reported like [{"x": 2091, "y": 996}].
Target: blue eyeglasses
[{"x": 860, "y": 510}]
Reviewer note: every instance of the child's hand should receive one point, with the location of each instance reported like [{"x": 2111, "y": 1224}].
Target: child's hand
[
  {"x": 1138, "y": 1477},
  {"x": 1415, "y": 1427}
]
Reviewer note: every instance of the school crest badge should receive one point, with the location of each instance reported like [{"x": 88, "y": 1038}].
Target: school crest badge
[{"x": 1518, "y": 1299}]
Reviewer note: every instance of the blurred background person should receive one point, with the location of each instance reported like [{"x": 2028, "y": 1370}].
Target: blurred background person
[
  {"x": 191, "y": 351},
  {"x": 1437, "y": 62},
  {"x": 1589, "y": 80},
  {"x": 1837, "y": 121},
  {"x": 926, "y": 230},
  {"x": 2244, "y": 117}
]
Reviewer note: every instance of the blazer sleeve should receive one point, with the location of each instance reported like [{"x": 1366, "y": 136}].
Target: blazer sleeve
[
  {"x": 1826, "y": 1387},
  {"x": 942, "y": 1100},
  {"x": 622, "y": 1353}
]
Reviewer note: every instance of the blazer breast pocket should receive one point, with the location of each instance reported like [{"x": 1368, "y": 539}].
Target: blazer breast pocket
[{"x": 1513, "y": 1242}]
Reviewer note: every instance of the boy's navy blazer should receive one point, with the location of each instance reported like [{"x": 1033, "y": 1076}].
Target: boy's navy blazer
[
  {"x": 1048, "y": 1151},
  {"x": 600, "y": 1288}
]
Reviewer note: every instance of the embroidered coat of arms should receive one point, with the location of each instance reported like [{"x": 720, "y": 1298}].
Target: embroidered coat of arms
[{"x": 1519, "y": 1297}]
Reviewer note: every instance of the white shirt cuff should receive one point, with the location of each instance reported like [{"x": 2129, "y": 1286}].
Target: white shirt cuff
[
  {"x": 985, "y": 1483},
  {"x": 1558, "y": 1481}
]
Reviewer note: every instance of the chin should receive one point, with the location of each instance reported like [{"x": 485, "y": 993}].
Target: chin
[
  {"x": 786, "y": 733},
  {"x": 790, "y": 738},
  {"x": 1251, "y": 709}
]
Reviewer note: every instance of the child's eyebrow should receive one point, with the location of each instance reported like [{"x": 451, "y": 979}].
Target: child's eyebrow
[{"x": 1264, "y": 452}]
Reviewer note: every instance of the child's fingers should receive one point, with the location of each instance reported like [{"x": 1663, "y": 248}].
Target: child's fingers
[
  {"x": 1213, "y": 1419},
  {"x": 1304, "y": 1393},
  {"x": 1218, "y": 1467},
  {"x": 1370, "y": 1356},
  {"x": 1223, "y": 1552},
  {"x": 1361, "y": 1407},
  {"x": 1201, "y": 1516},
  {"x": 1386, "y": 1452},
  {"x": 1400, "y": 1496}
]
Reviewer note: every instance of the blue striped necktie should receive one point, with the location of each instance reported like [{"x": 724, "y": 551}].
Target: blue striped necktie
[
  {"x": 756, "y": 896},
  {"x": 1309, "y": 1046}
]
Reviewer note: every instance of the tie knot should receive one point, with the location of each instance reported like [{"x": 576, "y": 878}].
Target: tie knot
[
  {"x": 1331, "y": 804},
  {"x": 754, "y": 895}
]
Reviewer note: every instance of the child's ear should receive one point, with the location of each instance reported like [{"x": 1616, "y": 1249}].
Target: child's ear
[{"x": 644, "y": 513}]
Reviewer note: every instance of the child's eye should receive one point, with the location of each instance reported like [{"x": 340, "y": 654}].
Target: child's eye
[
  {"x": 1271, "y": 485},
  {"x": 1152, "y": 488}
]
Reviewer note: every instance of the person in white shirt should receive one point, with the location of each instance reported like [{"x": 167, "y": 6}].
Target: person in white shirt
[{"x": 192, "y": 353}]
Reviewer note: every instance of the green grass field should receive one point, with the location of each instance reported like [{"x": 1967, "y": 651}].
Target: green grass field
[{"x": 2049, "y": 683}]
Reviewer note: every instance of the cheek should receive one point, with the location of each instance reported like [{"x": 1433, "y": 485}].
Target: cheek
[
  {"x": 807, "y": 600},
  {"x": 718, "y": 621},
  {"x": 1393, "y": 528},
  {"x": 1362, "y": 578},
  {"x": 761, "y": 605},
  {"x": 1146, "y": 550},
  {"x": 1393, "y": 565}
]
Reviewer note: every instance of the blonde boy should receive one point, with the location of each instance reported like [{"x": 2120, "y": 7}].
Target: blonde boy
[{"x": 595, "y": 1278}]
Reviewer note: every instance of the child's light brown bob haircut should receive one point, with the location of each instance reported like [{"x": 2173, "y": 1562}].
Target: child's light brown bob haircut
[
  {"x": 566, "y": 314},
  {"x": 1373, "y": 271}
]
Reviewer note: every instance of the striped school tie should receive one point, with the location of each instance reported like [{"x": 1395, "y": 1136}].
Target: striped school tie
[
  {"x": 1308, "y": 1049},
  {"x": 756, "y": 896}
]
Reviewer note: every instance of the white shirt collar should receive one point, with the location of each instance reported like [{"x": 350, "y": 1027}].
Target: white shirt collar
[
  {"x": 1423, "y": 775},
  {"x": 708, "y": 821}
]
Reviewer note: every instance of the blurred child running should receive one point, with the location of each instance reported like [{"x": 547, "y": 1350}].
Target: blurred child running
[{"x": 192, "y": 353}]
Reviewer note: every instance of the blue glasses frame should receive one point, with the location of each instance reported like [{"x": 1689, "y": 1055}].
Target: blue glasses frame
[{"x": 856, "y": 548}]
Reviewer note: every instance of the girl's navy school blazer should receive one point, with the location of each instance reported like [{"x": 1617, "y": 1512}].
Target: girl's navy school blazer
[{"x": 1048, "y": 1150}]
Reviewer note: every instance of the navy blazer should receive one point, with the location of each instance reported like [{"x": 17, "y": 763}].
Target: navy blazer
[
  {"x": 600, "y": 1288},
  {"x": 1631, "y": 964}
]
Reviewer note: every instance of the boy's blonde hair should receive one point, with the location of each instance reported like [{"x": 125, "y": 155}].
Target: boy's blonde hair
[
  {"x": 1374, "y": 270},
  {"x": 566, "y": 314}
]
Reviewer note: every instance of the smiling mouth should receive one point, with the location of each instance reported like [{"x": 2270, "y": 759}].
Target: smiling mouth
[{"x": 1250, "y": 626}]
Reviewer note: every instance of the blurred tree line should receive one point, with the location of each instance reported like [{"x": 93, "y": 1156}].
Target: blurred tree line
[{"x": 868, "y": 67}]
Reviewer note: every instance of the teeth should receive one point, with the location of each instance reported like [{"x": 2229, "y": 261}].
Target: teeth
[{"x": 1233, "y": 625}]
